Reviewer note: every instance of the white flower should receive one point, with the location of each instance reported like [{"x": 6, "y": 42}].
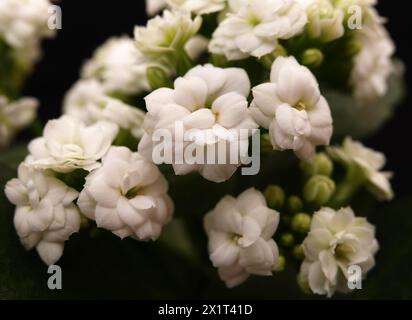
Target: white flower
[
  {"x": 240, "y": 237},
  {"x": 68, "y": 144},
  {"x": 14, "y": 116},
  {"x": 166, "y": 35},
  {"x": 45, "y": 215},
  {"x": 155, "y": 6},
  {"x": 196, "y": 46},
  {"x": 210, "y": 100},
  {"x": 291, "y": 107},
  {"x": 373, "y": 64},
  {"x": 336, "y": 241},
  {"x": 198, "y": 6},
  {"x": 256, "y": 28},
  {"x": 369, "y": 162},
  {"x": 325, "y": 22},
  {"x": 88, "y": 102},
  {"x": 127, "y": 195},
  {"x": 23, "y": 22},
  {"x": 119, "y": 66}
]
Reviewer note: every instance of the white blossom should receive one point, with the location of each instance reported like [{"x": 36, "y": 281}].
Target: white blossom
[
  {"x": 23, "y": 22},
  {"x": 14, "y": 116},
  {"x": 369, "y": 162},
  {"x": 127, "y": 195},
  {"x": 336, "y": 241},
  {"x": 45, "y": 215},
  {"x": 373, "y": 64},
  {"x": 153, "y": 7},
  {"x": 198, "y": 6},
  {"x": 255, "y": 29},
  {"x": 88, "y": 102},
  {"x": 240, "y": 237},
  {"x": 212, "y": 101},
  {"x": 196, "y": 46},
  {"x": 292, "y": 108},
  {"x": 68, "y": 144},
  {"x": 165, "y": 36},
  {"x": 119, "y": 66}
]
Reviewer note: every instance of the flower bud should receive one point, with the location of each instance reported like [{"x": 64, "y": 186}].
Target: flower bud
[
  {"x": 295, "y": 204},
  {"x": 158, "y": 78},
  {"x": 275, "y": 196},
  {"x": 301, "y": 223},
  {"x": 312, "y": 58},
  {"x": 325, "y": 22},
  {"x": 281, "y": 264},
  {"x": 319, "y": 165},
  {"x": 319, "y": 189},
  {"x": 287, "y": 240},
  {"x": 298, "y": 253}
]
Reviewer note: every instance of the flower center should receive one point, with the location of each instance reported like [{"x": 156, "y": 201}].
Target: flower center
[
  {"x": 300, "y": 106},
  {"x": 132, "y": 193}
]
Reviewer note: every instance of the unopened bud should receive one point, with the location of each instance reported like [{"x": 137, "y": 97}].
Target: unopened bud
[
  {"x": 319, "y": 189},
  {"x": 287, "y": 240},
  {"x": 301, "y": 223},
  {"x": 298, "y": 252},
  {"x": 281, "y": 264},
  {"x": 295, "y": 204},
  {"x": 312, "y": 58},
  {"x": 275, "y": 196},
  {"x": 319, "y": 164}
]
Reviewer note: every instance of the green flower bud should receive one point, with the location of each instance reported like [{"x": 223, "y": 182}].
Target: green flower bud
[
  {"x": 301, "y": 223},
  {"x": 312, "y": 58},
  {"x": 158, "y": 78},
  {"x": 298, "y": 253},
  {"x": 287, "y": 240},
  {"x": 319, "y": 189},
  {"x": 281, "y": 264},
  {"x": 320, "y": 164},
  {"x": 275, "y": 196},
  {"x": 295, "y": 204}
]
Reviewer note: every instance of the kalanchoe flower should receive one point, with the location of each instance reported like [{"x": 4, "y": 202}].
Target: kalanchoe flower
[
  {"x": 369, "y": 163},
  {"x": 127, "y": 195},
  {"x": 255, "y": 29},
  {"x": 198, "y": 6},
  {"x": 212, "y": 101},
  {"x": 88, "y": 102},
  {"x": 292, "y": 108},
  {"x": 373, "y": 64},
  {"x": 45, "y": 215},
  {"x": 119, "y": 66},
  {"x": 164, "y": 38},
  {"x": 336, "y": 241},
  {"x": 14, "y": 116},
  {"x": 68, "y": 144},
  {"x": 240, "y": 237},
  {"x": 24, "y": 22},
  {"x": 155, "y": 6}
]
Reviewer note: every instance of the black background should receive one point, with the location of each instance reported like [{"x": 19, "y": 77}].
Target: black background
[{"x": 87, "y": 24}]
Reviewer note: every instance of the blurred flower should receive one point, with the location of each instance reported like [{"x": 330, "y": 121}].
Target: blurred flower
[
  {"x": 23, "y": 22},
  {"x": 14, "y": 116},
  {"x": 119, "y": 66},
  {"x": 164, "y": 37},
  {"x": 255, "y": 29},
  {"x": 369, "y": 162},
  {"x": 198, "y": 6},
  {"x": 88, "y": 102},
  {"x": 210, "y": 100},
  {"x": 68, "y": 144},
  {"x": 240, "y": 237},
  {"x": 373, "y": 64},
  {"x": 196, "y": 46},
  {"x": 127, "y": 195},
  {"x": 155, "y": 6},
  {"x": 291, "y": 107},
  {"x": 336, "y": 241},
  {"x": 45, "y": 215}
]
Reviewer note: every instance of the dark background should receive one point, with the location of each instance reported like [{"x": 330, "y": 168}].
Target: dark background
[{"x": 87, "y": 24}]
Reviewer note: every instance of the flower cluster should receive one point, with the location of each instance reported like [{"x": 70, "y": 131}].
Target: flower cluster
[{"x": 200, "y": 87}]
